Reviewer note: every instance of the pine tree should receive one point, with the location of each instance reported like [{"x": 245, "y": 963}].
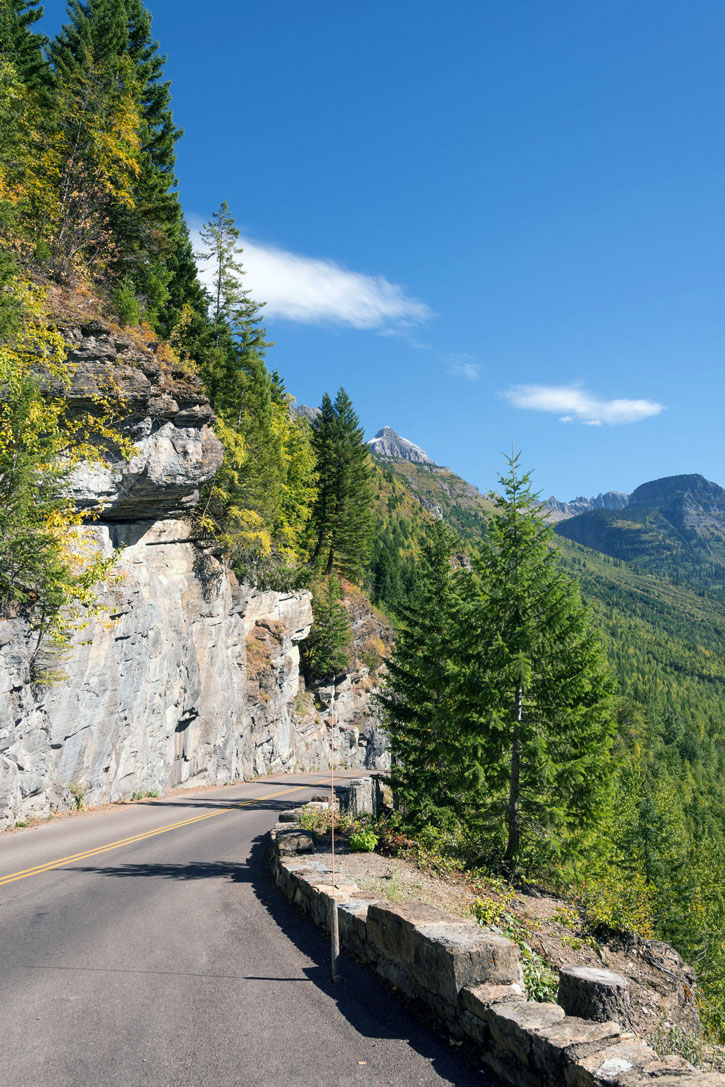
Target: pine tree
[
  {"x": 237, "y": 333},
  {"x": 342, "y": 517},
  {"x": 417, "y": 689},
  {"x": 533, "y": 704},
  {"x": 20, "y": 45},
  {"x": 326, "y": 652}
]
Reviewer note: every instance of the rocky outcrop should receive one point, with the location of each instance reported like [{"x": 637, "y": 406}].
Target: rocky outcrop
[
  {"x": 344, "y": 710},
  {"x": 165, "y": 415},
  {"x": 388, "y": 443},
  {"x": 304, "y": 411},
  {"x": 188, "y": 676}
]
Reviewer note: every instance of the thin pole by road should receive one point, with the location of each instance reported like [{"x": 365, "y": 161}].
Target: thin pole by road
[{"x": 148, "y": 946}]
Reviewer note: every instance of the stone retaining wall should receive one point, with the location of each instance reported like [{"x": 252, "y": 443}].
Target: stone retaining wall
[{"x": 471, "y": 979}]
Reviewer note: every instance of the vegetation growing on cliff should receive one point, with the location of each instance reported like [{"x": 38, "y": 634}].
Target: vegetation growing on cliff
[{"x": 47, "y": 570}]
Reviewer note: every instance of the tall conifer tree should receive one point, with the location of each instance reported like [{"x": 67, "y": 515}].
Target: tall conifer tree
[
  {"x": 20, "y": 44},
  {"x": 237, "y": 332},
  {"x": 418, "y": 686},
  {"x": 342, "y": 517},
  {"x": 532, "y": 704},
  {"x": 106, "y": 53}
]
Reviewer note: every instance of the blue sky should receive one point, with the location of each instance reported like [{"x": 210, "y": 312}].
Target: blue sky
[{"x": 487, "y": 220}]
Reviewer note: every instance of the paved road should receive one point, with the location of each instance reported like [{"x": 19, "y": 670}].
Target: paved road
[{"x": 171, "y": 960}]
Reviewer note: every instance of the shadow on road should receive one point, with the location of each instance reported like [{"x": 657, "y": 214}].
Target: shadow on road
[
  {"x": 363, "y": 998},
  {"x": 192, "y": 870},
  {"x": 209, "y": 802}
]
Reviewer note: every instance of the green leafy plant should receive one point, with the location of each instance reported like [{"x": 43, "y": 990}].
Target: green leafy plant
[
  {"x": 540, "y": 981},
  {"x": 669, "y": 1039},
  {"x": 488, "y": 911},
  {"x": 363, "y": 841},
  {"x": 79, "y": 795}
]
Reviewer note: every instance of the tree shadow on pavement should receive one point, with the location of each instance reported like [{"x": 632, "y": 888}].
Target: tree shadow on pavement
[
  {"x": 228, "y": 802},
  {"x": 184, "y": 872}
]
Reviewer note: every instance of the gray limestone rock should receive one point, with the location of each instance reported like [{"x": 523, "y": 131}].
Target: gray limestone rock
[
  {"x": 165, "y": 414},
  {"x": 187, "y": 677},
  {"x": 592, "y": 993}
]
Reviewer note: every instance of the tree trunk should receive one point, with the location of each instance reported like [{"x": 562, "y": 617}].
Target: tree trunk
[{"x": 514, "y": 815}]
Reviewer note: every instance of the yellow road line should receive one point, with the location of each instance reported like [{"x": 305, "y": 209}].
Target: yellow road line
[{"x": 25, "y": 873}]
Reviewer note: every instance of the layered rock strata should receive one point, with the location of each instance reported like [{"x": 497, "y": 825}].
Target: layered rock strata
[{"x": 188, "y": 676}]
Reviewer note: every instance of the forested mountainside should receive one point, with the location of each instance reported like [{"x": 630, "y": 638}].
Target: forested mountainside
[
  {"x": 665, "y": 642},
  {"x": 672, "y": 527},
  {"x": 94, "y": 247}
]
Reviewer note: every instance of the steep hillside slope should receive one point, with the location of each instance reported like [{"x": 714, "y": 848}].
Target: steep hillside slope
[
  {"x": 664, "y": 639},
  {"x": 673, "y": 527},
  {"x": 442, "y": 493}
]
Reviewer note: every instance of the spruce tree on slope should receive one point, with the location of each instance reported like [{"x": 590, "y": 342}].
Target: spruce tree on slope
[
  {"x": 532, "y": 705},
  {"x": 342, "y": 518},
  {"x": 417, "y": 689},
  {"x": 326, "y": 652}
]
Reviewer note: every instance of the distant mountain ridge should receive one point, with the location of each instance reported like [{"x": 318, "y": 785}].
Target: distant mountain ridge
[
  {"x": 610, "y": 500},
  {"x": 388, "y": 443},
  {"x": 674, "y": 526}
]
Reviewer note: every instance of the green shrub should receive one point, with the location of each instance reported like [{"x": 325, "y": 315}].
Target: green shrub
[
  {"x": 363, "y": 841},
  {"x": 488, "y": 912},
  {"x": 78, "y": 793},
  {"x": 126, "y": 303},
  {"x": 619, "y": 901}
]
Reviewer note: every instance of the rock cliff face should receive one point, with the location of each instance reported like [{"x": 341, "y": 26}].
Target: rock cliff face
[
  {"x": 190, "y": 676},
  {"x": 388, "y": 443}
]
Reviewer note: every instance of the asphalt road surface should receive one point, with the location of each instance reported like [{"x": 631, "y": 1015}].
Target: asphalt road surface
[{"x": 147, "y": 945}]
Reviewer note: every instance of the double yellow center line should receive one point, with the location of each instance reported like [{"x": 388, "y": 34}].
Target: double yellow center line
[{"x": 40, "y": 868}]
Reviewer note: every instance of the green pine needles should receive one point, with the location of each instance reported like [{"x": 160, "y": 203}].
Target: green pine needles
[
  {"x": 342, "y": 521},
  {"x": 498, "y": 698}
]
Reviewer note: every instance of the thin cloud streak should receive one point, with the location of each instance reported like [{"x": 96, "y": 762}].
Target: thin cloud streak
[
  {"x": 463, "y": 366},
  {"x": 573, "y": 404},
  {"x": 309, "y": 290}
]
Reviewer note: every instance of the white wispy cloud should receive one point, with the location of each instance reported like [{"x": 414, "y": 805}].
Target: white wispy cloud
[
  {"x": 573, "y": 404},
  {"x": 310, "y": 290},
  {"x": 463, "y": 366}
]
